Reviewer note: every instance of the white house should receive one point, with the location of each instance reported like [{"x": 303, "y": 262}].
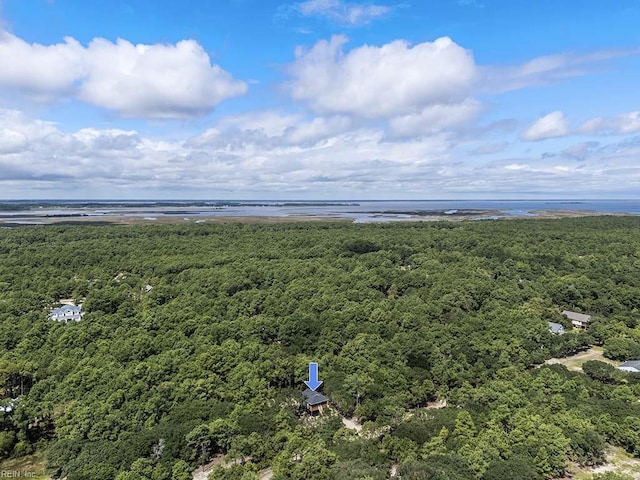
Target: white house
[
  {"x": 8, "y": 408},
  {"x": 66, "y": 313},
  {"x": 632, "y": 366},
  {"x": 556, "y": 328}
]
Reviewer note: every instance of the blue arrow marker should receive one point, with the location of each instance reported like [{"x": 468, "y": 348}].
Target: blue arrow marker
[{"x": 313, "y": 382}]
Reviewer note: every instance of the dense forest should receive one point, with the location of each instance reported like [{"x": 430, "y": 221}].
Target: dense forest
[{"x": 210, "y": 360}]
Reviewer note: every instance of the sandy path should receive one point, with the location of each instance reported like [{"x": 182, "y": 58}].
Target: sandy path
[
  {"x": 201, "y": 473},
  {"x": 618, "y": 461},
  {"x": 574, "y": 362},
  {"x": 351, "y": 424},
  {"x": 266, "y": 474}
]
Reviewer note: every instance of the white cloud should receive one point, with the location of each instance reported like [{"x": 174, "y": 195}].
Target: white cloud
[
  {"x": 602, "y": 170},
  {"x": 40, "y": 71},
  {"x": 489, "y": 148},
  {"x": 556, "y": 124},
  {"x": 317, "y": 129},
  {"x": 161, "y": 81},
  {"x": 378, "y": 82},
  {"x": 410, "y": 85},
  {"x": 516, "y": 166},
  {"x": 12, "y": 141},
  {"x": 147, "y": 81},
  {"x": 268, "y": 128},
  {"x": 545, "y": 70},
  {"x": 552, "y": 125},
  {"x": 622, "y": 124},
  {"x": 343, "y": 12},
  {"x": 580, "y": 151},
  {"x": 41, "y": 160},
  {"x": 435, "y": 118},
  {"x": 313, "y": 153},
  {"x": 270, "y": 122},
  {"x": 18, "y": 131},
  {"x": 67, "y": 160}
]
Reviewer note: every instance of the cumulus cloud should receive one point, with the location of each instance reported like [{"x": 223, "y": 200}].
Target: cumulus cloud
[
  {"x": 145, "y": 81},
  {"x": 428, "y": 86},
  {"x": 165, "y": 81},
  {"x": 40, "y": 71},
  {"x": 552, "y": 125},
  {"x": 233, "y": 160},
  {"x": 310, "y": 154},
  {"x": 376, "y": 82},
  {"x": 342, "y": 12},
  {"x": 85, "y": 158},
  {"x": 18, "y": 132}
]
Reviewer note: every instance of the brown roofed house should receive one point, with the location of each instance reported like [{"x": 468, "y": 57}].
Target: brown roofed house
[{"x": 578, "y": 320}]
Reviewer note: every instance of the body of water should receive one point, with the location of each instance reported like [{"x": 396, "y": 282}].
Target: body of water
[{"x": 359, "y": 210}]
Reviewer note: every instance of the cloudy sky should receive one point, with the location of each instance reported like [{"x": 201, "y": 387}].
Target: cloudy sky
[{"x": 319, "y": 99}]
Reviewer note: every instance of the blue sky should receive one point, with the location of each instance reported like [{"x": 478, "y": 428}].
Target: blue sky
[{"x": 319, "y": 99}]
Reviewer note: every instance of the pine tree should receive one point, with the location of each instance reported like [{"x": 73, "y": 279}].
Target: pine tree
[
  {"x": 437, "y": 444},
  {"x": 542, "y": 463}
]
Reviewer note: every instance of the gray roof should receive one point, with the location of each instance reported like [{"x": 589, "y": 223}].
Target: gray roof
[
  {"x": 631, "y": 364},
  {"x": 578, "y": 317},
  {"x": 556, "y": 328},
  {"x": 314, "y": 398}
]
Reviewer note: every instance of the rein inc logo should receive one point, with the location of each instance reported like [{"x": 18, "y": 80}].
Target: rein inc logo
[{"x": 17, "y": 474}]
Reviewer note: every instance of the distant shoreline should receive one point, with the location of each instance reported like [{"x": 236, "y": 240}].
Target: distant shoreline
[
  {"x": 148, "y": 212},
  {"x": 576, "y": 214},
  {"x": 19, "y": 205},
  {"x": 377, "y": 217}
]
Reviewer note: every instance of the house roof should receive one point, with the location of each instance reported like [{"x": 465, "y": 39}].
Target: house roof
[
  {"x": 556, "y": 327},
  {"x": 631, "y": 364},
  {"x": 578, "y": 317},
  {"x": 67, "y": 312},
  {"x": 314, "y": 398},
  {"x": 66, "y": 309}
]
